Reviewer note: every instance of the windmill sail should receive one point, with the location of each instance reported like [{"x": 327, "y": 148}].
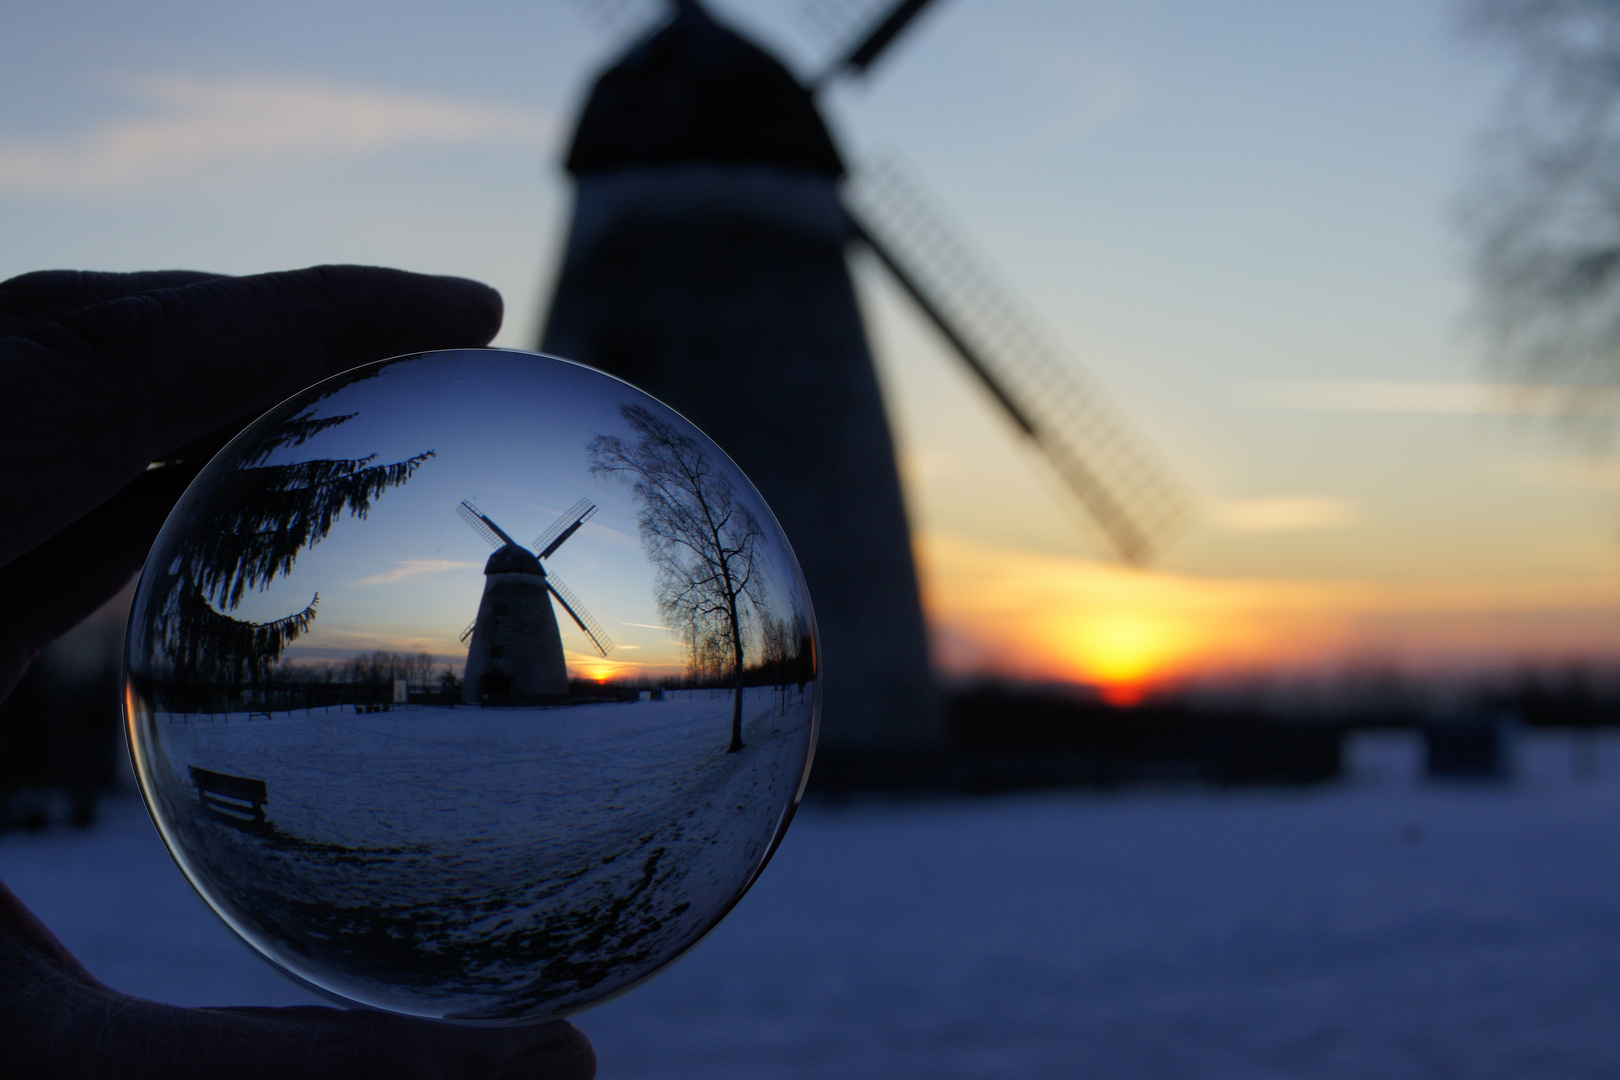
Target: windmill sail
[
  {"x": 482, "y": 525},
  {"x": 1131, "y": 496},
  {"x": 593, "y": 629},
  {"x": 881, "y": 34},
  {"x": 564, "y": 527},
  {"x": 625, "y": 18}
]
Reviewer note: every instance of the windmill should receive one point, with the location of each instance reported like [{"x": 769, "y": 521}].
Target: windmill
[
  {"x": 707, "y": 264},
  {"x": 515, "y": 655}
]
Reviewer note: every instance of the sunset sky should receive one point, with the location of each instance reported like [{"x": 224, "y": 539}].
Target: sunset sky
[
  {"x": 1242, "y": 219},
  {"x": 512, "y": 433}
]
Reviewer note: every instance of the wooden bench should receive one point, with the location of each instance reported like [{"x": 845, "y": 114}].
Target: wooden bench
[{"x": 234, "y": 799}]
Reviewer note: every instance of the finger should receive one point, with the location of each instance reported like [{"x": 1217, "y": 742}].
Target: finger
[
  {"x": 47, "y": 591},
  {"x": 68, "y": 1030},
  {"x": 25, "y": 940},
  {"x": 30, "y": 300},
  {"x": 88, "y": 401},
  {"x": 57, "y": 1020},
  {"x": 363, "y": 1043}
]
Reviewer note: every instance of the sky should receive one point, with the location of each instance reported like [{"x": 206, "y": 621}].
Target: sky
[
  {"x": 1242, "y": 220},
  {"x": 514, "y": 435}
]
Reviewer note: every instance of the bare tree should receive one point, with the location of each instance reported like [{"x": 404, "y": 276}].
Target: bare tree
[
  {"x": 1545, "y": 217},
  {"x": 774, "y": 646},
  {"x": 703, "y": 540}
]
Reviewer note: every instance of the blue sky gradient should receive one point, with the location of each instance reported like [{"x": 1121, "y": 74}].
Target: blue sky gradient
[{"x": 1242, "y": 219}]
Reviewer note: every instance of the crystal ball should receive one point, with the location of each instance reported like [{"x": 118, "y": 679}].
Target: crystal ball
[{"x": 474, "y": 685}]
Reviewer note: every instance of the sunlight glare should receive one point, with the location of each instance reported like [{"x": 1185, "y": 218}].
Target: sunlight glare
[{"x": 1122, "y": 652}]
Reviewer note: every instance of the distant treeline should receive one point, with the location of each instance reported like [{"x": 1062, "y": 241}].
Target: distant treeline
[
  {"x": 794, "y": 669},
  {"x": 786, "y": 655},
  {"x": 1564, "y": 695},
  {"x": 364, "y": 679},
  {"x": 369, "y": 678}
]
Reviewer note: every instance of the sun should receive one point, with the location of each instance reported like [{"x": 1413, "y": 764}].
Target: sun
[
  {"x": 597, "y": 671},
  {"x": 1123, "y": 653}
]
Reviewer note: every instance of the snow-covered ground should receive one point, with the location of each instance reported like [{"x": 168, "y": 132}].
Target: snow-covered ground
[
  {"x": 1374, "y": 928},
  {"x": 483, "y": 862}
]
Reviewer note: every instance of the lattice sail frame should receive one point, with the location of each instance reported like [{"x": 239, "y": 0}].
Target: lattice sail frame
[
  {"x": 587, "y": 622},
  {"x": 564, "y": 527},
  {"x": 1133, "y": 497},
  {"x": 480, "y": 523}
]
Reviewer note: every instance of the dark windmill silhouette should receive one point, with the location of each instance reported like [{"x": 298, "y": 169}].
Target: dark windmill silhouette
[
  {"x": 515, "y": 656},
  {"x": 707, "y": 264}
]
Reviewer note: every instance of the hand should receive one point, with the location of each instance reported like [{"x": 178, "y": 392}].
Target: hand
[
  {"x": 58, "y": 1022},
  {"x": 102, "y": 376}
]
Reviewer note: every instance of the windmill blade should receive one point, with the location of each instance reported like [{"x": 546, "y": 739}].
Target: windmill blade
[
  {"x": 1136, "y": 501},
  {"x": 624, "y": 18},
  {"x": 859, "y": 57},
  {"x": 593, "y": 629},
  {"x": 491, "y": 532},
  {"x": 467, "y": 633},
  {"x": 564, "y": 527}
]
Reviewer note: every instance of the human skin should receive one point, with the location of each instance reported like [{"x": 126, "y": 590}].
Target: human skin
[{"x": 103, "y": 376}]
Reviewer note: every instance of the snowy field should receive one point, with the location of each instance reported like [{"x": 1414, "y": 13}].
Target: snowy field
[
  {"x": 1374, "y": 928},
  {"x": 484, "y": 862}
]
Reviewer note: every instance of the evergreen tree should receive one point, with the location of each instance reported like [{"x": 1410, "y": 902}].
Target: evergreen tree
[{"x": 260, "y": 517}]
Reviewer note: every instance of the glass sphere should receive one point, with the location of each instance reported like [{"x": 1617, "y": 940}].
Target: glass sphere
[{"x": 400, "y": 756}]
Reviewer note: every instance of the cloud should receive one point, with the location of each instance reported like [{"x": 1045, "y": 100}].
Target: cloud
[
  {"x": 410, "y": 568},
  {"x": 193, "y": 127},
  {"x": 1439, "y": 398},
  {"x": 1282, "y": 514}
]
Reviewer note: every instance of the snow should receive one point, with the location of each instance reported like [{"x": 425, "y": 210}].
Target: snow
[
  {"x": 1375, "y": 928},
  {"x": 484, "y": 862}
]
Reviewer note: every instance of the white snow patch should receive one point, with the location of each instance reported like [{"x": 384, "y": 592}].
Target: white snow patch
[{"x": 1351, "y": 931}]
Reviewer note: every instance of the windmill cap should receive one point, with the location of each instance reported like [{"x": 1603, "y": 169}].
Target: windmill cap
[
  {"x": 512, "y": 559},
  {"x": 697, "y": 92}
]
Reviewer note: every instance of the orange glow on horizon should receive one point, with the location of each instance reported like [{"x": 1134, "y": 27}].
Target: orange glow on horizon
[
  {"x": 601, "y": 670},
  {"x": 1016, "y": 613},
  {"x": 598, "y": 670},
  {"x": 1123, "y": 695}
]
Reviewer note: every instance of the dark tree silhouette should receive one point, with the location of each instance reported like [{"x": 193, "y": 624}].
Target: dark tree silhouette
[
  {"x": 1545, "y": 215},
  {"x": 703, "y": 540},
  {"x": 773, "y": 645},
  {"x": 259, "y": 519}
]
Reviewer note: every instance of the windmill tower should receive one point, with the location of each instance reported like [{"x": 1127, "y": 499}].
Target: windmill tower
[
  {"x": 515, "y": 656},
  {"x": 707, "y": 264}
]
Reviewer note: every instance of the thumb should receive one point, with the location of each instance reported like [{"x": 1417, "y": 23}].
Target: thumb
[{"x": 88, "y": 401}]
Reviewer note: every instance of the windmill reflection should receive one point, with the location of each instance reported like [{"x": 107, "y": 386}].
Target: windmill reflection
[
  {"x": 394, "y": 846},
  {"x": 515, "y": 656}
]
